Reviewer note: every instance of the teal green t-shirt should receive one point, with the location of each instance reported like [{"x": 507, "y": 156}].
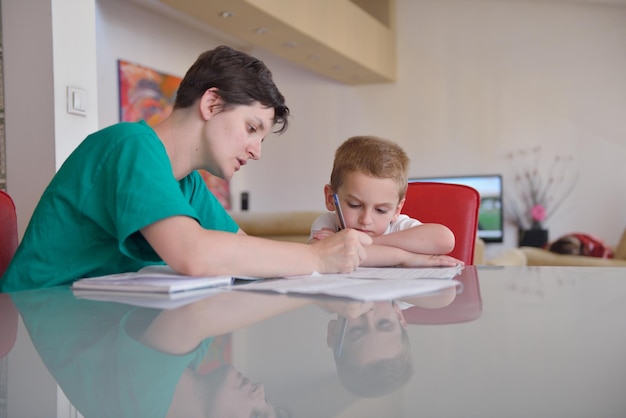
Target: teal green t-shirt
[{"x": 87, "y": 222}]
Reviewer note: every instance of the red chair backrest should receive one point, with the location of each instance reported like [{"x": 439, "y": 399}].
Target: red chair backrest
[
  {"x": 453, "y": 205},
  {"x": 8, "y": 230},
  {"x": 8, "y": 245}
]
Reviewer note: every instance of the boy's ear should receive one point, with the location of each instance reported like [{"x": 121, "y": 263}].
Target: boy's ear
[
  {"x": 398, "y": 209},
  {"x": 328, "y": 198},
  {"x": 331, "y": 333},
  {"x": 400, "y": 316}
]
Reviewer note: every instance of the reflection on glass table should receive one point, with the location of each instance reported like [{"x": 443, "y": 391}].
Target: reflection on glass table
[
  {"x": 514, "y": 342},
  {"x": 118, "y": 360}
]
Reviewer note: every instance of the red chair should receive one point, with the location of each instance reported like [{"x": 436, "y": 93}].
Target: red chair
[
  {"x": 8, "y": 245},
  {"x": 8, "y": 226},
  {"x": 453, "y": 205}
]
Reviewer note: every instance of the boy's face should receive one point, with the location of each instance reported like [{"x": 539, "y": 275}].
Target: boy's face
[
  {"x": 369, "y": 204},
  {"x": 375, "y": 335}
]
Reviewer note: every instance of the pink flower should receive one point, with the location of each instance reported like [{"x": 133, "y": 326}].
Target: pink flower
[
  {"x": 538, "y": 212},
  {"x": 538, "y": 189}
]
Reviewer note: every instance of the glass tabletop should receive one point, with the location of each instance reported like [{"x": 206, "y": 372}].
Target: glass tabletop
[{"x": 508, "y": 342}]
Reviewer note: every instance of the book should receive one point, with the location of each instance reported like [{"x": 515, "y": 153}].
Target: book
[{"x": 153, "y": 279}]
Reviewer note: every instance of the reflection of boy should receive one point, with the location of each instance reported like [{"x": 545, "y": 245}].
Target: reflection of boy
[
  {"x": 376, "y": 352},
  {"x": 374, "y": 358},
  {"x": 370, "y": 177}
]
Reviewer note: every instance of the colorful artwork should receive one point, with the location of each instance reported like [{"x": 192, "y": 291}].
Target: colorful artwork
[{"x": 149, "y": 95}]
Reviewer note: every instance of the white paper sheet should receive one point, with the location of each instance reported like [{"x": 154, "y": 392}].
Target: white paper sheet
[{"x": 367, "y": 284}]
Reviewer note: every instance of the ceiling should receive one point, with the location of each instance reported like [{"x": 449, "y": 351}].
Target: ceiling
[
  {"x": 354, "y": 44},
  {"x": 350, "y": 41}
]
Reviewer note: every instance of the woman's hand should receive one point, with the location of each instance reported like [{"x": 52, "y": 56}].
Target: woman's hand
[{"x": 341, "y": 252}]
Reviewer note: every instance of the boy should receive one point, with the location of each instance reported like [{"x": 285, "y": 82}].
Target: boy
[
  {"x": 370, "y": 176},
  {"x": 130, "y": 195}
]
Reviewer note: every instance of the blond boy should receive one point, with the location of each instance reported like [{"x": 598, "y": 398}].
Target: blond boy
[{"x": 370, "y": 176}]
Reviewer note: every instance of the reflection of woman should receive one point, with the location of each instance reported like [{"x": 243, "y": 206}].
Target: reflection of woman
[{"x": 114, "y": 360}]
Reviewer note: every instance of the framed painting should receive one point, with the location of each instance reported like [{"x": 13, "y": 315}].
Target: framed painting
[{"x": 145, "y": 93}]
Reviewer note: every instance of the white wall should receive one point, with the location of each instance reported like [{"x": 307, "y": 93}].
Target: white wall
[
  {"x": 74, "y": 47},
  {"x": 477, "y": 79},
  {"x": 48, "y": 45}
]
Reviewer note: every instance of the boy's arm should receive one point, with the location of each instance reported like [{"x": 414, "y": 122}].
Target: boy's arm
[
  {"x": 420, "y": 239},
  {"x": 388, "y": 256}
]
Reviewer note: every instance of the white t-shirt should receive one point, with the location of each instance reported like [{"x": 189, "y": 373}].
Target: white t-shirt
[{"x": 330, "y": 221}]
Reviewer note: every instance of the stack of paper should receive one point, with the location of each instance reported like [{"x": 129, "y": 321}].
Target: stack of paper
[{"x": 367, "y": 284}]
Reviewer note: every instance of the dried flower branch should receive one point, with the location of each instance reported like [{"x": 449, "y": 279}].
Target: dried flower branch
[{"x": 537, "y": 197}]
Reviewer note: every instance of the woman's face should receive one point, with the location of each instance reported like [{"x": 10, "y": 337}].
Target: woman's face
[
  {"x": 235, "y": 396},
  {"x": 234, "y": 135}
]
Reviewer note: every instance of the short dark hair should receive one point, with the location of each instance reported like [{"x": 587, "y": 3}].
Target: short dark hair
[{"x": 239, "y": 78}]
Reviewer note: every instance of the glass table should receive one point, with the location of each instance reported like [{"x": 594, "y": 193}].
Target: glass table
[{"x": 508, "y": 342}]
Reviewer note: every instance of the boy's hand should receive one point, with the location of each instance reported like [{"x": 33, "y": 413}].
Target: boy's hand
[
  {"x": 429, "y": 260},
  {"x": 322, "y": 233},
  {"x": 341, "y": 252}
]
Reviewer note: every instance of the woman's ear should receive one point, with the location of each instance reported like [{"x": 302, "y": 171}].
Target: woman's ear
[
  {"x": 210, "y": 103},
  {"x": 328, "y": 198}
]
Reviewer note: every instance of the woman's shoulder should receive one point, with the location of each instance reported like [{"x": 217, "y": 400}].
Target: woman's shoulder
[
  {"x": 125, "y": 131},
  {"x": 122, "y": 138}
]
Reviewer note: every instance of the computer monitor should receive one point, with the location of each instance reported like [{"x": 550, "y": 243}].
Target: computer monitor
[{"x": 490, "y": 214}]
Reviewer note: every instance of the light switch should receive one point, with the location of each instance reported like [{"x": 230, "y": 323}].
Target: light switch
[{"x": 76, "y": 101}]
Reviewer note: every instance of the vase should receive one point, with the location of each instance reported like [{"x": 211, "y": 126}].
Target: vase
[{"x": 532, "y": 237}]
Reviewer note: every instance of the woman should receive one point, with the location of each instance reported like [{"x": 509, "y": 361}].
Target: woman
[{"x": 130, "y": 196}]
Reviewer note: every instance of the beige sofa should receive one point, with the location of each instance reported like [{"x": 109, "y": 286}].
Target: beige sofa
[
  {"x": 295, "y": 226},
  {"x": 541, "y": 257},
  {"x": 283, "y": 226}
]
